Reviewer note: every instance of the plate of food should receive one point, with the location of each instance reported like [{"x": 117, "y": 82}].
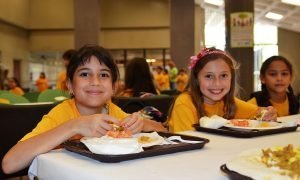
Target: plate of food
[
  {"x": 272, "y": 163},
  {"x": 249, "y": 125},
  {"x": 149, "y": 139}
]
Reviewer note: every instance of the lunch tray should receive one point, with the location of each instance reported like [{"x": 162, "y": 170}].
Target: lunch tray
[
  {"x": 244, "y": 134},
  {"x": 234, "y": 175},
  {"x": 78, "y": 147}
]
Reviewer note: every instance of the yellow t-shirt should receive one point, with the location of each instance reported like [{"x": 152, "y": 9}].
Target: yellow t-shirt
[
  {"x": 41, "y": 84},
  {"x": 181, "y": 81},
  {"x": 282, "y": 108},
  {"x": 61, "y": 81},
  {"x": 17, "y": 91},
  {"x": 184, "y": 113},
  {"x": 64, "y": 112},
  {"x": 4, "y": 101}
]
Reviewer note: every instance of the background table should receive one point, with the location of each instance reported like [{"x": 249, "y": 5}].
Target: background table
[{"x": 196, "y": 164}]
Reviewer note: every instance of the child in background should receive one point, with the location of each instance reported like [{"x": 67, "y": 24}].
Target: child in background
[
  {"x": 42, "y": 82},
  {"x": 92, "y": 75},
  {"x": 61, "y": 82},
  {"x": 211, "y": 91},
  {"x": 14, "y": 86},
  {"x": 181, "y": 80},
  {"x": 276, "y": 75},
  {"x": 138, "y": 79}
]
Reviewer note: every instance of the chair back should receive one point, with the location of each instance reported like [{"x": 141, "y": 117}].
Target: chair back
[
  {"x": 32, "y": 96},
  {"x": 52, "y": 95},
  {"x": 13, "y": 98},
  {"x": 134, "y": 104},
  {"x": 16, "y": 121}
]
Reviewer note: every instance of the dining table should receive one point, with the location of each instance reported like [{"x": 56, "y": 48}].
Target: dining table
[{"x": 197, "y": 164}]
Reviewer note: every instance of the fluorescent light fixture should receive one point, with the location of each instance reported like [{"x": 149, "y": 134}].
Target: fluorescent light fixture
[
  {"x": 274, "y": 16},
  {"x": 215, "y": 2},
  {"x": 293, "y": 2}
]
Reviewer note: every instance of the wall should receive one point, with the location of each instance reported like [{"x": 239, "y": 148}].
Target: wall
[
  {"x": 288, "y": 46},
  {"x": 14, "y": 35}
]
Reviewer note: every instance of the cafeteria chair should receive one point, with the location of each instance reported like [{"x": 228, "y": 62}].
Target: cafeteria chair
[
  {"x": 3, "y": 91},
  {"x": 53, "y": 95},
  {"x": 13, "y": 98},
  {"x": 32, "y": 96},
  {"x": 134, "y": 104},
  {"x": 16, "y": 121}
]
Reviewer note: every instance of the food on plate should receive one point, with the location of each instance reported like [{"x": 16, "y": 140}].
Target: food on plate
[
  {"x": 112, "y": 146},
  {"x": 119, "y": 132},
  {"x": 240, "y": 122},
  {"x": 272, "y": 163},
  {"x": 149, "y": 139},
  {"x": 286, "y": 159},
  {"x": 213, "y": 122},
  {"x": 144, "y": 139}
]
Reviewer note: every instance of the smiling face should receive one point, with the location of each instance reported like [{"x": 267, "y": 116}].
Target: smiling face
[
  {"x": 214, "y": 81},
  {"x": 91, "y": 85},
  {"x": 277, "y": 77}
]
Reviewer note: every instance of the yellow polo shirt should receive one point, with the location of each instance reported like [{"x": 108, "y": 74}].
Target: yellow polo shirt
[
  {"x": 282, "y": 108},
  {"x": 64, "y": 112},
  {"x": 184, "y": 113}
]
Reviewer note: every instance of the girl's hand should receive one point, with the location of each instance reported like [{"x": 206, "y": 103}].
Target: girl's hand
[
  {"x": 270, "y": 113},
  {"x": 134, "y": 123},
  {"x": 94, "y": 125}
]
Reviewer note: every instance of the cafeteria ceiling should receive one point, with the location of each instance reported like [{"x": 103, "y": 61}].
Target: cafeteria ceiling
[{"x": 291, "y": 13}]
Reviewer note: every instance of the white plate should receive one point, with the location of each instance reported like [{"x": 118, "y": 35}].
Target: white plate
[
  {"x": 255, "y": 125},
  {"x": 154, "y": 139}
]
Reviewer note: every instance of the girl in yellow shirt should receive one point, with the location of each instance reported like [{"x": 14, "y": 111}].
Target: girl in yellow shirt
[
  {"x": 92, "y": 75},
  {"x": 211, "y": 91},
  {"x": 276, "y": 75}
]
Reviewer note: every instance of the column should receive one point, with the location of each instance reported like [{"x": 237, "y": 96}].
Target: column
[
  {"x": 86, "y": 22},
  {"x": 239, "y": 41},
  {"x": 182, "y": 31}
]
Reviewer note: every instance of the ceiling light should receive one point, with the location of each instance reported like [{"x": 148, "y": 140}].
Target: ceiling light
[
  {"x": 293, "y": 2},
  {"x": 215, "y": 2},
  {"x": 274, "y": 16}
]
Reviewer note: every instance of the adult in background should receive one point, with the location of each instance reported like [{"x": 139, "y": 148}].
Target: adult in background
[{"x": 61, "y": 80}]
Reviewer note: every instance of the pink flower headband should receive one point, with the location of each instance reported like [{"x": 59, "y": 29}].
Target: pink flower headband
[{"x": 204, "y": 52}]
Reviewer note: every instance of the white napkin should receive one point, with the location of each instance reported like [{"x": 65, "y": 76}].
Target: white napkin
[
  {"x": 112, "y": 146},
  {"x": 213, "y": 122}
]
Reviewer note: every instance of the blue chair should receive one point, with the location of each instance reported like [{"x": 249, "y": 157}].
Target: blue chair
[
  {"x": 53, "y": 95},
  {"x": 13, "y": 98}
]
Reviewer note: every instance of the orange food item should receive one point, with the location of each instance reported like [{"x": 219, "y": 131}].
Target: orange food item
[
  {"x": 119, "y": 134},
  {"x": 240, "y": 122}
]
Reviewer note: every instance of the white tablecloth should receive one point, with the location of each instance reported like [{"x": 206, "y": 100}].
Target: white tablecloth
[{"x": 196, "y": 164}]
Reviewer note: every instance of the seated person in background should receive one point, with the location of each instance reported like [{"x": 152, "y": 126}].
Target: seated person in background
[
  {"x": 276, "y": 75},
  {"x": 211, "y": 91},
  {"x": 181, "y": 80},
  {"x": 138, "y": 79},
  {"x": 42, "y": 82},
  {"x": 162, "y": 78},
  {"x": 61, "y": 81},
  {"x": 92, "y": 75},
  {"x": 14, "y": 86}
]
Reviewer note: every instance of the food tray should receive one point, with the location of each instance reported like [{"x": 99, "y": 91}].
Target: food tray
[
  {"x": 234, "y": 175},
  {"x": 244, "y": 134},
  {"x": 78, "y": 147}
]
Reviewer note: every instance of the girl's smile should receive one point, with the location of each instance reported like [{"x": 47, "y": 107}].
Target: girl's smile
[{"x": 214, "y": 81}]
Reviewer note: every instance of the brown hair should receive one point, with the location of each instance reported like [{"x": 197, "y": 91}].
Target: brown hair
[{"x": 193, "y": 88}]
